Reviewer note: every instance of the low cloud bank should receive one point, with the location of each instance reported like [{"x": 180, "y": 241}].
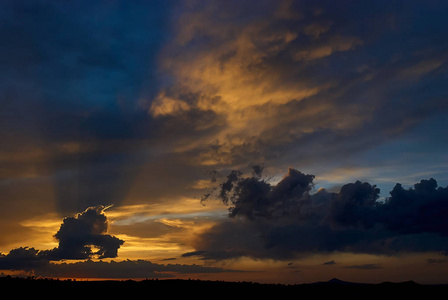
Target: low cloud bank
[{"x": 122, "y": 269}]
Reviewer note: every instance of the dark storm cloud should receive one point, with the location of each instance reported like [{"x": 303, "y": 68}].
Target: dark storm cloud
[
  {"x": 252, "y": 197},
  {"x": 353, "y": 205},
  {"x": 286, "y": 220},
  {"x": 421, "y": 209}
]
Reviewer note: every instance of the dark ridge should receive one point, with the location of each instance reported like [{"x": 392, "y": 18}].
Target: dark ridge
[
  {"x": 204, "y": 288},
  {"x": 336, "y": 281}
]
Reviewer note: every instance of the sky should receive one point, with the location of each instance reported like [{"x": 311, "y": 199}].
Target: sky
[{"x": 266, "y": 141}]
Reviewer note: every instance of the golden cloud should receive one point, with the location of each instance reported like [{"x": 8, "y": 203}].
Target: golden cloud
[{"x": 242, "y": 71}]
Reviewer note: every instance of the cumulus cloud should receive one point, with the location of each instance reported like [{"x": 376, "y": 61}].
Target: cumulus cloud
[
  {"x": 353, "y": 205},
  {"x": 287, "y": 220},
  {"x": 77, "y": 236},
  {"x": 252, "y": 197}
]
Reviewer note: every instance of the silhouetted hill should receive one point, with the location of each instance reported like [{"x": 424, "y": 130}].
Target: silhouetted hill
[
  {"x": 336, "y": 282},
  {"x": 208, "y": 289}
]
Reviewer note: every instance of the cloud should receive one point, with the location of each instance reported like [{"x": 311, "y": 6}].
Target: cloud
[
  {"x": 286, "y": 220},
  {"x": 333, "y": 45},
  {"x": 299, "y": 86},
  {"x": 252, "y": 197},
  {"x": 329, "y": 263},
  {"x": 77, "y": 236},
  {"x": 194, "y": 253},
  {"x": 32, "y": 260},
  {"x": 241, "y": 68},
  {"x": 421, "y": 209},
  {"x": 167, "y": 106},
  {"x": 22, "y": 258},
  {"x": 353, "y": 205}
]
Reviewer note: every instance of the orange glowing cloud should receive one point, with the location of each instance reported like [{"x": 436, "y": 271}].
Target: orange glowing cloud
[{"x": 242, "y": 72}]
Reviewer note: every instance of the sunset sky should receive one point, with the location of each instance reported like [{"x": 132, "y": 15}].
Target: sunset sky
[{"x": 267, "y": 141}]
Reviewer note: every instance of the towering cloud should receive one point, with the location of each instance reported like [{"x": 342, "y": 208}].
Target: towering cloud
[{"x": 78, "y": 234}]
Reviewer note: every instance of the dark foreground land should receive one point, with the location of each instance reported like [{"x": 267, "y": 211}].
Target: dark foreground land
[{"x": 212, "y": 289}]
